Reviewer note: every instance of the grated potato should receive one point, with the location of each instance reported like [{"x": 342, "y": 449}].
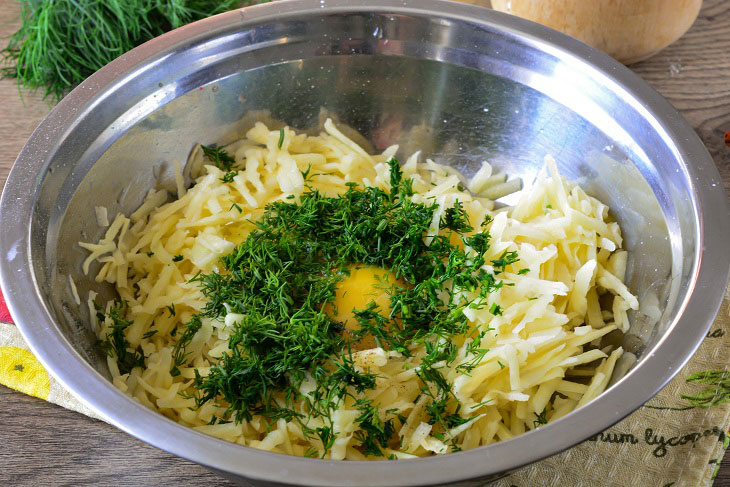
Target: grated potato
[{"x": 569, "y": 254}]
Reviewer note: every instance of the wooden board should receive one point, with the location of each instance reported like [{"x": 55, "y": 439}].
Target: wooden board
[{"x": 43, "y": 444}]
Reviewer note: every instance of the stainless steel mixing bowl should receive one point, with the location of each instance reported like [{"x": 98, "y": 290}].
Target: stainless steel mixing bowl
[{"x": 462, "y": 83}]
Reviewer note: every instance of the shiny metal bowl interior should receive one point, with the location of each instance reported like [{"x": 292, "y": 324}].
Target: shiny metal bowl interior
[{"x": 460, "y": 83}]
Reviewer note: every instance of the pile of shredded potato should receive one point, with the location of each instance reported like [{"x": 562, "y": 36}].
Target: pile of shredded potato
[{"x": 545, "y": 357}]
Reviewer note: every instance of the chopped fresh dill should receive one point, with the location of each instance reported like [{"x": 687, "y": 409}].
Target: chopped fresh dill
[
  {"x": 238, "y": 208},
  {"x": 171, "y": 309},
  {"x": 116, "y": 345},
  {"x": 506, "y": 259},
  {"x": 220, "y": 158},
  {"x": 228, "y": 177},
  {"x": 541, "y": 419},
  {"x": 150, "y": 334},
  {"x": 150, "y": 254},
  {"x": 481, "y": 404},
  {"x": 456, "y": 219},
  {"x": 477, "y": 356},
  {"x": 374, "y": 433},
  {"x": 178, "y": 353},
  {"x": 177, "y": 258},
  {"x": 306, "y": 174},
  {"x": 283, "y": 276},
  {"x": 522, "y": 272},
  {"x": 281, "y": 138},
  {"x": 311, "y": 452}
]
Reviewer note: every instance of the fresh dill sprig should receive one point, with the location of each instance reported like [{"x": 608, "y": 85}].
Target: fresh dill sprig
[
  {"x": 477, "y": 354},
  {"x": 178, "y": 353},
  {"x": 62, "y": 42},
  {"x": 374, "y": 433},
  {"x": 718, "y": 391}
]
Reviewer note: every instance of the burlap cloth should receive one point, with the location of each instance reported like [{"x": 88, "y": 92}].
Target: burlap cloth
[{"x": 677, "y": 439}]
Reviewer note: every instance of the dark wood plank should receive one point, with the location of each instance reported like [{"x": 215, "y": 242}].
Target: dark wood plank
[
  {"x": 43, "y": 444},
  {"x": 19, "y": 116},
  {"x": 694, "y": 74}
]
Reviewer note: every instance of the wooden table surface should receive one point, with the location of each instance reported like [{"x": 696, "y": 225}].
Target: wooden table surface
[{"x": 43, "y": 444}]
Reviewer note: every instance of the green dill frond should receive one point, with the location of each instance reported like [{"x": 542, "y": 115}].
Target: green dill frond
[{"x": 62, "y": 42}]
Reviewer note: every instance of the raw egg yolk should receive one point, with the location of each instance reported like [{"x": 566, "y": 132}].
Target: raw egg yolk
[
  {"x": 356, "y": 291},
  {"x": 455, "y": 240}
]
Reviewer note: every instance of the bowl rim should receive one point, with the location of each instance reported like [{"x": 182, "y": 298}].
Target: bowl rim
[{"x": 58, "y": 356}]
